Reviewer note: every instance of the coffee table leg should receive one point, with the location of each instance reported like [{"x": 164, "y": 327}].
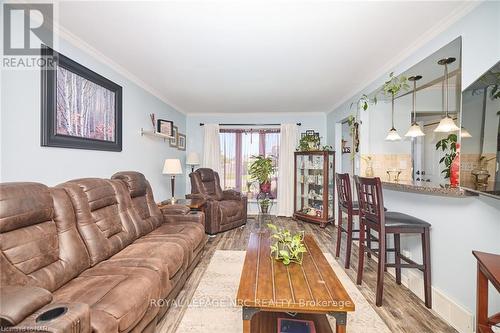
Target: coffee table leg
[
  {"x": 340, "y": 328},
  {"x": 340, "y": 321},
  {"x": 246, "y": 326},
  {"x": 247, "y": 318}
]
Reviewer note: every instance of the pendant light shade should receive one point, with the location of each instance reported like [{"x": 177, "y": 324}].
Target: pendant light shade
[
  {"x": 393, "y": 134},
  {"x": 465, "y": 133},
  {"x": 447, "y": 124},
  {"x": 415, "y": 130}
]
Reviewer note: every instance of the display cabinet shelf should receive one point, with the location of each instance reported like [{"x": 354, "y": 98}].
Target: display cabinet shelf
[{"x": 314, "y": 187}]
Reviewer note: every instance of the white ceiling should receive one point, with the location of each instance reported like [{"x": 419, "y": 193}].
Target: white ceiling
[{"x": 274, "y": 56}]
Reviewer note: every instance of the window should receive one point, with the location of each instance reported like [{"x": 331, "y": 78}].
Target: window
[{"x": 237, "y": 148}]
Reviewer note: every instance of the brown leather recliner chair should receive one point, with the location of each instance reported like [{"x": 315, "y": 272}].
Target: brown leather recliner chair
[{"x": 224, "y": 210}]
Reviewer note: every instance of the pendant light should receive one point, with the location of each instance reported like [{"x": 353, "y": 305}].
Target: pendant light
[
  {"x": 447, "y": 124},
  {"x": 393, "y": 134},
  {"x": 415, "y": 130}
]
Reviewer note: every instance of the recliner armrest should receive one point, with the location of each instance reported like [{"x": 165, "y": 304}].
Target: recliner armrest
[
  {"x": 18, "y": 302},
  {"x": 232, "y": 195}
]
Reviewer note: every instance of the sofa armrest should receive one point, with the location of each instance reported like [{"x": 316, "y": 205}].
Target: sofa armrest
[
  {"x": 18, "y": 302},
  {"x": 57, "y": 318},
  {"x": 196, "y": 217},
  {"x": 196, "y": 196},
  {"x": 174, "y": 209},
  {"x": 232, "y": 195}
]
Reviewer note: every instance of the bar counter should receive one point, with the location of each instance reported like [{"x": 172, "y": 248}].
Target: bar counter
[{"x": 426, "y": 188}]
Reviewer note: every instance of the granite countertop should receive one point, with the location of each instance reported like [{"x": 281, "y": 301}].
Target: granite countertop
[{"x": 426, "y": 188}]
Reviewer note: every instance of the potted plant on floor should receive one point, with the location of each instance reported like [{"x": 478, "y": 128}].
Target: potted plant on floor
[
  {"x": 264, "y": 205},
  {"x": 261, "y": 169}
]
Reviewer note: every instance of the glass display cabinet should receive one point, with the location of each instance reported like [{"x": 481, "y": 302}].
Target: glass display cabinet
[{"x": 314, "y": 187}]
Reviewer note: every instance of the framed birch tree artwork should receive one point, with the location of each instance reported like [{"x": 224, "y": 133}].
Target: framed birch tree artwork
[{"x": 80, "y": 108}]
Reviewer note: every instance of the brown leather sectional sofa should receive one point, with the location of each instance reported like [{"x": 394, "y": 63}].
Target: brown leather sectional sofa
[{"x": 96, "y": 252}]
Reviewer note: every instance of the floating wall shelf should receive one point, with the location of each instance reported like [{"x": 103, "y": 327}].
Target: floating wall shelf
[{"x": 156, "y": 134}]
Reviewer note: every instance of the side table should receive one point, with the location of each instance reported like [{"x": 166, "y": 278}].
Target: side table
[
  {"x": 193, "y": 204},
  {"x": 488, "y": 269}
]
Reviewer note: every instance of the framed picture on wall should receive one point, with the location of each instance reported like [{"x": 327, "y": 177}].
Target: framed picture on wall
[
  {"x": 181, "y": 141},
  {"x": 80, "y": 108},
  {"x": 174, "y": 140},
  {"x": 164, "y": 127}
]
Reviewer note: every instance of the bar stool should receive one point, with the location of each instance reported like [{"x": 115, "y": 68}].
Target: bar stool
[
  {"x": 373, "y": 216},
  {"x": 345, "y": 205},
  {"x": 351, "y": 208}
]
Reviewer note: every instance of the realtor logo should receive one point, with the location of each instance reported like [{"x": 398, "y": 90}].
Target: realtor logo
[{"x": 25, "y": 27}]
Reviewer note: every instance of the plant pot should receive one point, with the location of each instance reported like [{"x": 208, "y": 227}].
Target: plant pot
[
  {"x": 265, "y": 187},
  {"x": 264, "y": 209},
  {"x": 312, "y": 145}
]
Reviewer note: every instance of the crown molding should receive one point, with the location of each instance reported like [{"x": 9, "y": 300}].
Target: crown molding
[
  {"x": 67, "y": 35},
  {"x": 243, "y": 114},
  {"x": 431, "y": 33}
]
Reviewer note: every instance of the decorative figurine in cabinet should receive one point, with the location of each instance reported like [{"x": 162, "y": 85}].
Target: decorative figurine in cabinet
[{"x": 314, "y": 186}]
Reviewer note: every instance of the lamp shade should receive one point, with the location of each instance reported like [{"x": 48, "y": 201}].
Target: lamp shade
[
  {"x": 172, "y": 166},
  {"x": 465, "y": 133},
  {"x": 193, "y": 159},
  {"x": 415, "y": 131},
  {"x": 393, "y": 135},
  {"x": 446, "y": 125}
]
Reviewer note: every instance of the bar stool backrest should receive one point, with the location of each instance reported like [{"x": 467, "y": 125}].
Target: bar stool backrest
[
  {"x": 371, "y": 201},
  {"x": 344, "y": 190}
]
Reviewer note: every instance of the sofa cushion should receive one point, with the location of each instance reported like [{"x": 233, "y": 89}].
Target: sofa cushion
[
  {"x": 102, "y": 216},
  {"x": 171, "y": 254},
  {"x": 40, "y": 245},
  {"x": 147, "y": 216},
  {"x": 193, "y": 233},
  {"x": 122, "y": 296}
]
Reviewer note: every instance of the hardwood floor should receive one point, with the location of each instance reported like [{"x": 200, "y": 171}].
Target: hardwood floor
[{"x": 402, "y": 311}]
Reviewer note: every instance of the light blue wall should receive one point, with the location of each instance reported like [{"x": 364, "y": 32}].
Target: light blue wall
[
  {"x": 458, "y": 225},
  {"x": 23, "y": 159}
]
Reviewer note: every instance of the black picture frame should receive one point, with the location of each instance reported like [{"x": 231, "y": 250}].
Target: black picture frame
[
  {"x": 161, "y": 122},
  {"x": 49, "y": 136},
  {"x": 181, "y": 141},
  {"x": 174, "y": 141}
]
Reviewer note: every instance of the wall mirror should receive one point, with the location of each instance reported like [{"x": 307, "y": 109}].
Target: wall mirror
[
  {"x": 480, "y": 149},
  {"x": 426, "y": 111}
]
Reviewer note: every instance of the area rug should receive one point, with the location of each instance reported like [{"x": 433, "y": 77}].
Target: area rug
[{"x": 212, "y": 307}]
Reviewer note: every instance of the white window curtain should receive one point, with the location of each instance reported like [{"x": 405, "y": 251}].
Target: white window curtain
[
  {"x": 211, "y": 151},
  {"x": 288, "y": 143}
]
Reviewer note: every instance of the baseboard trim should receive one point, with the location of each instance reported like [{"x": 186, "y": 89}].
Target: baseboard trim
[
  {"x": 451, "y": 312},
  {"x": 443, "y": 306}
]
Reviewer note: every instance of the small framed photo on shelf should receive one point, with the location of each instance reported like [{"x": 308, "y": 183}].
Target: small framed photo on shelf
[
  {"x": 174, "y": 140},
  {"x": 181, "y": 141},
  {"x": 164, "y": 127}
]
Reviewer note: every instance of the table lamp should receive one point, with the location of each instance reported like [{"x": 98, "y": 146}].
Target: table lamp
[
  {"x": 172, "y": 167},
  {"x": 193, "y": 160}
]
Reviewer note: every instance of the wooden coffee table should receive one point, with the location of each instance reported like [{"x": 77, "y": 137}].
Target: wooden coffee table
[{"x": 269, "y": 290}]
